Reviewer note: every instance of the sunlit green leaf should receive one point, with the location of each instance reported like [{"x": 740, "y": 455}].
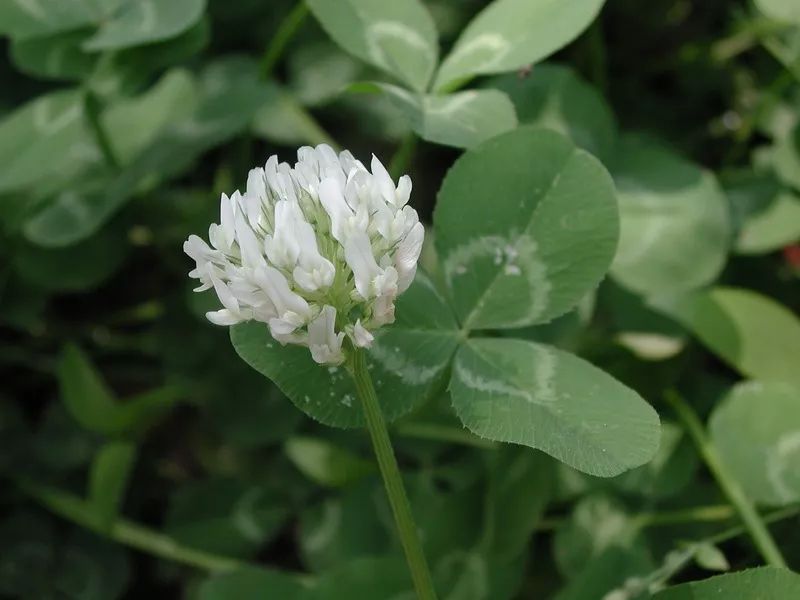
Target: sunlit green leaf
[
  {"x": 782, "y": 10},
  {"x": 22, "y": 19},
  {"x": 772, "y": 228},
  {"x": 398, "y": 37},
  {"x": 674, "y": 223},
  {"x": 770, "y": 583},
  {"x": 138, "y": 22},
  {"x": 463, "y": 119},
  {"x": 531, "y": 394},
  {"x": 509, "y": 34},
  {"x": 526, "y": 224},
  {"x": 49, "y": 133},
  {"x": 230, "y": 94},
  {"x": 133, "y": 124}
]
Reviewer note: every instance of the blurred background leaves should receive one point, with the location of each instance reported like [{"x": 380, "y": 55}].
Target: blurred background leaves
[{"x": 140, "y": 456}]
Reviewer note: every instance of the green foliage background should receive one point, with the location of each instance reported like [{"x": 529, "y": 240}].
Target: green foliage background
[{"x": 139, "y": 455}]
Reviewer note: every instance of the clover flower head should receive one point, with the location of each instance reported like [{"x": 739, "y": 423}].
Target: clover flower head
[{"x": 318, "y": 251}]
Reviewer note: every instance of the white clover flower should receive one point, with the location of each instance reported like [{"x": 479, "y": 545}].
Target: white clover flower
[{"x": 318, "y": 251}]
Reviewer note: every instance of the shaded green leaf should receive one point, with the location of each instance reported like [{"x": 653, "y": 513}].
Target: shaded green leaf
[
  {"x": 318, "y": 72},
  {"x": 753, "y": 333},
  {"x": 282, "y": 120},
  {"x": 374, "y": 578},
  {"x": 606, "y": 573},
  {"x": 79, "y": 267},
  {"x": 509, "y": 34},
  {"x": 596, "y": 525},
  {"x": 526, "y": 224},
  {"x": 57, "y": 56},
  {"x": 406, "y": 361},
  {"x": 671, "y": 469},
  {"x": 250, "y": 583},
  {"x": 398, "y": 37},
  {"x": 94, "y": 406},
  {"x": 348, "y": 526},
  {"x": 225, "y": 516},
  {"x": 756, "y": 429},
  {"x": 535, "y": 395},
  {"x": 108, "y": 479},
  {"x": 555, "y": 97},
  {"x": 326, "y": 463},
  {"x": 521, "y": 485}
]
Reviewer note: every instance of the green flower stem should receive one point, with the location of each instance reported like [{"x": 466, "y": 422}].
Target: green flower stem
[
  {"x": 125, "y": 532},
  {"x": 93, "y": 108},
  {"x": 751, "y": 520},
  {"x": 391, "y": 477},
  {"x": 286, "y": 31}
]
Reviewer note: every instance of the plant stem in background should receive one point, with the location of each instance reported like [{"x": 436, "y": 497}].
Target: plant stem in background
[
  {"x": 93, "y": 108},
  {"x": 286, "y": 31},
  {"x": 598, "y": 60},
  {"x": 751, "y": 520},
  {"x": 313, "y": 132},
  {"x": 387, "y": 462},
  {"x": 403, "y": 155},
  {"x": 130, "y": 534}
]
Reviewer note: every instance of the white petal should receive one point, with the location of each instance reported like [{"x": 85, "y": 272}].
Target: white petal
[
  {"x": 276, "y": 287},
  {"x": 257, "y": 184},
  {"x": 407, "y": 255},
  {"x": 196, "y": 248},
  {"x": 248, "y": 244},
  {"x": 383, "y": 180},
  {"x": 361, "y": 337},
  {"x": 330, "y": 195},
  {"x": 224, "y": 294},
  {"x": 226, "y": 220},
  {"x": 403, "y": 192},
  {"x": 323, "y": 341},
  {"x": 358, "y": 254},
  {"x": 283, "y": 248},
  {"x": 223, "y": 317}
]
